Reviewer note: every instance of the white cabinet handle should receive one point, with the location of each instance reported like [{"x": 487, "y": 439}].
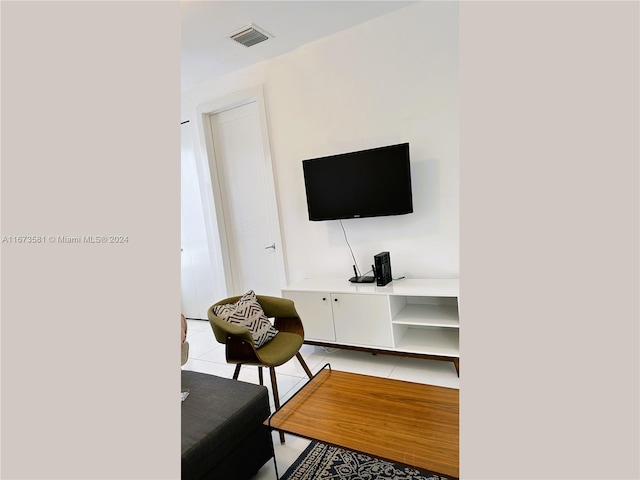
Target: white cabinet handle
[{"x": 273, "y": 245}]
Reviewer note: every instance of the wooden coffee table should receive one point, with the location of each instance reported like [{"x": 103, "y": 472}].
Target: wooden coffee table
[{"x": 402, "y": 422}]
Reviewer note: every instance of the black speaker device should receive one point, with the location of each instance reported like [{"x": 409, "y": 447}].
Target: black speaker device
[{"x": 382, "y": 262}]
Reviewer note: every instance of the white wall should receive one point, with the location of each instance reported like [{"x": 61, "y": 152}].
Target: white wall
[{"x": 393, "y": 79}]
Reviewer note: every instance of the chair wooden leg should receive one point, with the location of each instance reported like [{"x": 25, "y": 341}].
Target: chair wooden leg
[
  {"x": 237, "y": 371},
  {"x": 276, "y": 398},
  {"x": 260, "y": 378},
  {"x": 304, "y": 365}
]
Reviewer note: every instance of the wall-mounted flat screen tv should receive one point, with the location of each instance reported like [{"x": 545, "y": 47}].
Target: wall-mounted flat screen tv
[{"x": 367, "y": 183}]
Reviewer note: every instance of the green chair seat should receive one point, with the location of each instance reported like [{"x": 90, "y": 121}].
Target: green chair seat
[{"x": 282, "y": 348}]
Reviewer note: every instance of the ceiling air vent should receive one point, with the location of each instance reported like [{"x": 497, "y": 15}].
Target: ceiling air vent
[{"x": 249, "y": 35}]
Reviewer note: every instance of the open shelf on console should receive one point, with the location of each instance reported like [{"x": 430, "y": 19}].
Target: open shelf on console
[
  {"x": 429, "y": 341},
  {"x": 428, "y": 315}
]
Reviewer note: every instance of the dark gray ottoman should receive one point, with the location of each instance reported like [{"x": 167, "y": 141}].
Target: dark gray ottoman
[{"x": 223, "y": 431}]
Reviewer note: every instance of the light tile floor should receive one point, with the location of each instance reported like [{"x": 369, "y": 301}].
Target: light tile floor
[{"x": 207, "y": 355}]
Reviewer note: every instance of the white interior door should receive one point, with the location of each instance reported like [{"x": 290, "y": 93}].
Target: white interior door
[
  {"x": 245, "y": 182},
  {"x": 198, "y": 288}
]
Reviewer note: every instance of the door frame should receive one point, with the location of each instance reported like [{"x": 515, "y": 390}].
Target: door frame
[{"x": 217, "y": 231}]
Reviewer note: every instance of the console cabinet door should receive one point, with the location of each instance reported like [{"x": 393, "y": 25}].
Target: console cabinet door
[
  {"x": 314, "y": 309},
  {"x": 362, "y": 320}
]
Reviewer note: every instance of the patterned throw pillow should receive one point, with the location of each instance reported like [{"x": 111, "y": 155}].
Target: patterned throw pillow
[{"x": 247, "y": 312}]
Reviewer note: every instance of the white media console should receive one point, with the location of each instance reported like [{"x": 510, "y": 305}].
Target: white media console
[{"x": 415, "y": 317}]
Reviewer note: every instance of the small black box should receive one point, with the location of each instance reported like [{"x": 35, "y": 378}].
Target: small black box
[{"x": 382, "y": 262}]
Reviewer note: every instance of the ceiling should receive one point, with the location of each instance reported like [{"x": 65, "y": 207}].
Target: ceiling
[{"x": 207, "y": 52}]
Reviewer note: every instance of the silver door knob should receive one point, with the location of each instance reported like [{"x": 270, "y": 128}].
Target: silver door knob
[{"x": 273, "y": 245}]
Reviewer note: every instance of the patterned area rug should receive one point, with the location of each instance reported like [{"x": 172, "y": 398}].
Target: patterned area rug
[{"x": 324, "y": 462}]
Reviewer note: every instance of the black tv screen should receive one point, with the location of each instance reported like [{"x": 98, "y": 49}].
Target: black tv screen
[{"x": 367, "y": 183}]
